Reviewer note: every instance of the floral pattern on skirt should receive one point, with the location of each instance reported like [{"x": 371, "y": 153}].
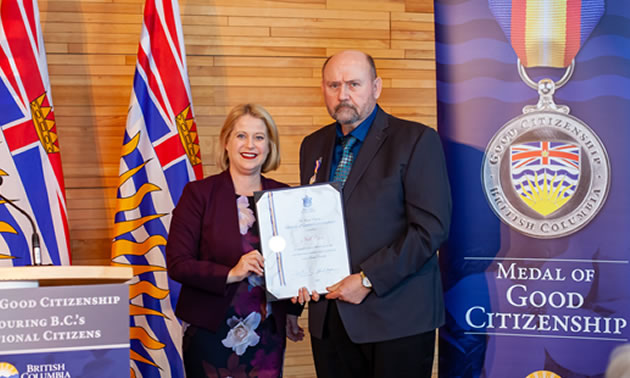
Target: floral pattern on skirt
[{"x": 248, "y": 343}]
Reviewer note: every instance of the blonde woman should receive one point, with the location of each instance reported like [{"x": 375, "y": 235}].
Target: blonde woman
[{"x": 213, "y": 252}]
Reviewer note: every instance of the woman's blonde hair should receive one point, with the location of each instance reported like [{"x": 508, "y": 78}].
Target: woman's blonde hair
[{"x": 273, "y": 159}]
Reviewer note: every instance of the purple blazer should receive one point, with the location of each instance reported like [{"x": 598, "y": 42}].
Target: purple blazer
[{"x": 204, "y": 243}]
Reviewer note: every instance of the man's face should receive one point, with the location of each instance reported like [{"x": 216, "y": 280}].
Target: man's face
[{"x": 350, "y": 90}]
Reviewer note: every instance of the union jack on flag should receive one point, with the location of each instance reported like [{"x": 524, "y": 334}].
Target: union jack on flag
[
  {"x": 30, "y": 165},
  {"x": 552, "y": 166},
  {"x": 160, "y": 155}
]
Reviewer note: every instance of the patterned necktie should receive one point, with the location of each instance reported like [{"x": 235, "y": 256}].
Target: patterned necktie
[{"x": 343, "y": 169}]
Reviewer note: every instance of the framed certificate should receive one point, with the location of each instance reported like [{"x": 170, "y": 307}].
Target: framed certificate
[{"x": 302, "y": 238}]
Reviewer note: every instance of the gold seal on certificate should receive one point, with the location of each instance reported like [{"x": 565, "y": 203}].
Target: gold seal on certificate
[{"x": 303, "y": 238}]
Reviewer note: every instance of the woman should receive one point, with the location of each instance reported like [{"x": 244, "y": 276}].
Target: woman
[{"x": 213, "y": 252}]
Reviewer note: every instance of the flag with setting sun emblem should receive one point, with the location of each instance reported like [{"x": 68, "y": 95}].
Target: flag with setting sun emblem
[
  {"x": 30, "y": 165},
  {"x": 160, "y": 155},
  {"x": 545, "y": 174}
]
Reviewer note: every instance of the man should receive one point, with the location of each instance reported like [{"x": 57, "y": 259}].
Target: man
[{"x": 379, "y": 321}]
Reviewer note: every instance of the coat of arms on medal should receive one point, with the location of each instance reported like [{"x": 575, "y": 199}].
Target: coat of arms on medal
[{"x": 546, "y": 173}]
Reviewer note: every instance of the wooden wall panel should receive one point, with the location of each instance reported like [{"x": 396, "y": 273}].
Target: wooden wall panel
[{"x": 265, "y": 51}]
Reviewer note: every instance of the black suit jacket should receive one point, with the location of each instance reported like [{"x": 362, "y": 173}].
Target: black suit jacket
[{"x": 397, "y": 209}]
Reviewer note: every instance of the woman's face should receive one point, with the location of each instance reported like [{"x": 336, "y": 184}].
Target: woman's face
[{"x": 247, "y": 145}]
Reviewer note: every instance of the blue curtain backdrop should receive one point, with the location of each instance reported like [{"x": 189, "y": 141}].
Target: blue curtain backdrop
[{"x": 517, "y": 303}]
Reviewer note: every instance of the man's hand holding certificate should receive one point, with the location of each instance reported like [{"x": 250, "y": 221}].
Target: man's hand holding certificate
[{"x": 303, "y": 239}]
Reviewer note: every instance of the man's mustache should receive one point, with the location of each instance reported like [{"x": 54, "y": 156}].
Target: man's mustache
[{"x": 344, "y": 105}]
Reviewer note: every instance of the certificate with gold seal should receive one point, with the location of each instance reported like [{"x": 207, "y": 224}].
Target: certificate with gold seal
[{"x": 302, "y": 238}]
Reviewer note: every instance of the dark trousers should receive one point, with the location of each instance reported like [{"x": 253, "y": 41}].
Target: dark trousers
[{"x": 336, "y": 356}]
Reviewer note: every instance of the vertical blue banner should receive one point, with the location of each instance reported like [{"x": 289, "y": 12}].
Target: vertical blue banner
[{"x": 536, "y": 272}]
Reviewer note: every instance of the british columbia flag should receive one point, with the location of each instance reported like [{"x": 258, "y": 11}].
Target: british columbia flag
[
  {"x": 30, "y": 165},
  {"x": 553, "y": 167},
  {"x": 160, "y": 155}
]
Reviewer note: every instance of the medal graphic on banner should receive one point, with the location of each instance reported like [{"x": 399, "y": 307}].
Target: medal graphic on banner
[{"x": 545, "y": 172}]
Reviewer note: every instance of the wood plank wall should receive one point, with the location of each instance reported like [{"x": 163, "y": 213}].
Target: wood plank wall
[{"x": 264, "y": 51}]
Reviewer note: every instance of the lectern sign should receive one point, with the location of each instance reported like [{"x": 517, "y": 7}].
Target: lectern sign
[{"x": 65, "y": 331}]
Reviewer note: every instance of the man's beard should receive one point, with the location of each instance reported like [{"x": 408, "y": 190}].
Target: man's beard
[{"x": 346, "y": 119}]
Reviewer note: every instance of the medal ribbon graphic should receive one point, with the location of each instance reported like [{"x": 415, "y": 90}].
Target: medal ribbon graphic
[{"x": 547, "y": 33}]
